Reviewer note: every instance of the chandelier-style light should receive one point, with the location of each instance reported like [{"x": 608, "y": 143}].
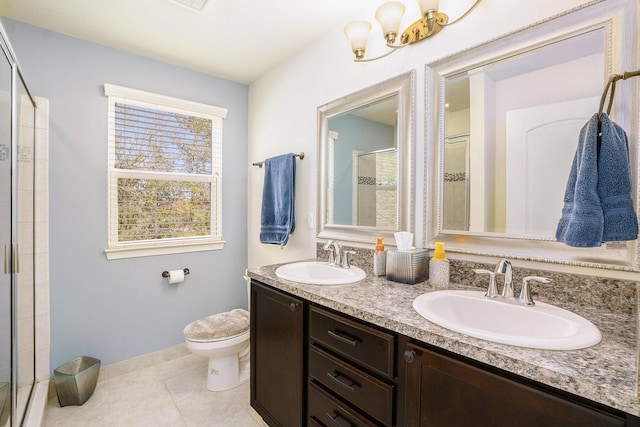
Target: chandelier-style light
[{"x": 389, "y": 16}]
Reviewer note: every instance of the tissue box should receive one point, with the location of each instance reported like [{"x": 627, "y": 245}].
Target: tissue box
[{"x": 408, "y": 267}]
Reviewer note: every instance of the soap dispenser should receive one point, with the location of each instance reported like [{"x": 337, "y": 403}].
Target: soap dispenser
[
  {"x": 379, "y": 258},
  {"x": 439, "y": 268}
]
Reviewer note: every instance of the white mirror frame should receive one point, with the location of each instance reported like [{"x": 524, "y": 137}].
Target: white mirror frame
[
  {"x": 617, "y": 19},
  {"x": 404, "y": 87}
]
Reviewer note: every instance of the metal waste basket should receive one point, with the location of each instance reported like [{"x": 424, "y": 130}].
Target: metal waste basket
[{"x": 76, "y": 380}]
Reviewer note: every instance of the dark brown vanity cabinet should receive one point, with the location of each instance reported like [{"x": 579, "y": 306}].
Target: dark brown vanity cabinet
[
  {"x": 351, "y": 369},
  {"x": 312, "y": 366},
  {"x": 277, "y": 356},
  {"x": 444, "y": 392}
]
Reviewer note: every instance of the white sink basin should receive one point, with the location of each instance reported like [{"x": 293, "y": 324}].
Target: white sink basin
[
  {"x": 320, "y": 273},
  {"x": 542, "y": 326}
]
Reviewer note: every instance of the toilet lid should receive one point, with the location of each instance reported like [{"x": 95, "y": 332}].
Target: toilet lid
[{"x": 218, "y": 326}]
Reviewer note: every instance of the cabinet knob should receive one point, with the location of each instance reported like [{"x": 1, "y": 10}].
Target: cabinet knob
[
  {"x": 294, "y": 306},
  {"x": 410, "y": 356}
]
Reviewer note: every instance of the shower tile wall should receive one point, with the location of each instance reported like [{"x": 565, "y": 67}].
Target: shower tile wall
[
  {"x": 367, "y": 190},
  {"x": 377, "y": 189},
  {"x": 386, "y": 189},
  {"x": 455, "y": 208},
  {"x": 24, "y": 279},
  {"x": 41, "y": 258},
  {"x": 33, "y": 280}
]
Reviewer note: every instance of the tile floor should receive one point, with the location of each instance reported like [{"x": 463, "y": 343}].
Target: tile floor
[{"x": 170, "y": 393}]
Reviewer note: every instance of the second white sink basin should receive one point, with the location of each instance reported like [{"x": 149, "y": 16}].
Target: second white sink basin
[
  {"x": 542, "y": 326},
  {"x": 320, "y": 273}
]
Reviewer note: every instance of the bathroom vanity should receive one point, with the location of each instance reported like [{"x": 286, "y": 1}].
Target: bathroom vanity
[{"x": 360, "y": 355}]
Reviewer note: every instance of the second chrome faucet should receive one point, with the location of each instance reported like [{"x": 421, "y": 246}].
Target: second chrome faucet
[{"x": 504, "y": 268}]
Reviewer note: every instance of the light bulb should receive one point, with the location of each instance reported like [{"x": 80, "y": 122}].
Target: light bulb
[
  {"x": 358, "y": 33},
  {"x": 427, "y": 5},
  {"x": 389, "y": 16}
]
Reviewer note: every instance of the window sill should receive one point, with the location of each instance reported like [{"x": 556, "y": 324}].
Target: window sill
[{"x": 134, "y": 251}]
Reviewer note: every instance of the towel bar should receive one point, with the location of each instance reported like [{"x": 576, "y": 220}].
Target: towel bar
[{"x": 259, "y": 164}]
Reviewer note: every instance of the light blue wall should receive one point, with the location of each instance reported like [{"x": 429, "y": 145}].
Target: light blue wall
[{"x": 118, "y": 309}]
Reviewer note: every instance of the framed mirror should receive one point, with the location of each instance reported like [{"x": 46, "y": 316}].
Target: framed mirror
[
  {"x": 365, "y": 168},
  {"x": 505, "y": 118}
]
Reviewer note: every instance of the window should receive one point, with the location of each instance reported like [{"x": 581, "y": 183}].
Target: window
[{"x": 165, "y": 174}]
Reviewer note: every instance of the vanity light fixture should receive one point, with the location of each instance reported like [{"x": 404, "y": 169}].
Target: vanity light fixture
[{"x": 389, "y": 15}]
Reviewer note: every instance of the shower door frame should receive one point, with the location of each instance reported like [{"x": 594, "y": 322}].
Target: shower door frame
[{"x": 12, "y": 264}]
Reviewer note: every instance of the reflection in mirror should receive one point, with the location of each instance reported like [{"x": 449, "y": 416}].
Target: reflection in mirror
[
  {"x": 503, "y": 121},
  {"x": 363, "y": 167},
  {"x": 365, "y": 146},
  {"x": 511, "y": 132},
  {"x": 456, "y": 195},
  {"x": 377, "y": 196}
]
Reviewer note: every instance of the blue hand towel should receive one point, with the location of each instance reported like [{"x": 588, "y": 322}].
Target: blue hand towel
[
  {"x": 278, "y": 200},
  {"x": 614, "y": 184},
  {"x": 581, "y": 223},
  {"x": 597, "y": 203}
]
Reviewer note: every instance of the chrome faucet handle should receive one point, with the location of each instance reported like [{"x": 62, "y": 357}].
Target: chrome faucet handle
[
  {"x": 334, "y": 254},
  {"x": 504, "y": 267},
  {"x": 345, "y": 258},
  {"x": 332, "y": 259},
  {"x": 525, "y": 292},
  {"x": 492, "y": 291}
]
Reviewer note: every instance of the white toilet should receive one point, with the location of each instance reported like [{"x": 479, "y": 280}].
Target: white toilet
[{"x": 224, "y": 339}]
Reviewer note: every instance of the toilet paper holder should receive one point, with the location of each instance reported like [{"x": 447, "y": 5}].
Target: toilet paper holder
[{"x": 165, "y": 273}]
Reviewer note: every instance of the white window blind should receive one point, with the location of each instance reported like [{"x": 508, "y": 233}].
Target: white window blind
[{"x": 165, "y": 174}]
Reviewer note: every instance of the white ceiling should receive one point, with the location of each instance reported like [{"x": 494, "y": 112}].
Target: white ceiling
[{"x": 236, "y": 39}]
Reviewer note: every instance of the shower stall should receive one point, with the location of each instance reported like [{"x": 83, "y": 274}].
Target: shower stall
[{"x": 24, "y": 210}]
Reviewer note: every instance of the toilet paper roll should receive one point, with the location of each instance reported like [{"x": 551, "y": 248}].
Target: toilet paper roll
[{"x": 176, "y": 276}]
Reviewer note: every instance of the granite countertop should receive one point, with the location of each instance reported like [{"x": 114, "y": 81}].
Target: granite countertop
[{"x": 605, "y": 373}]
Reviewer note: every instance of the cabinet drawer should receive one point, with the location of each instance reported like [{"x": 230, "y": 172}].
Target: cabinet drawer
[
  {"x": 369, "y": 394},
  {"x": 359, "y": 343},
  {"x": 326, "y": 411}
]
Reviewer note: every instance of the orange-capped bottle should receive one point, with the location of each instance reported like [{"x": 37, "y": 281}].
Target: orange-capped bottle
[{"x": 379, "y": 258}]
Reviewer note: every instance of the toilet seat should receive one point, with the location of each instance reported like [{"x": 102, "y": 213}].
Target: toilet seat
[{"x": 218, "y": 327}]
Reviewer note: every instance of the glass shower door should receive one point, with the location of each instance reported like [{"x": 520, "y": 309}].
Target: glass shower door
[{"x": 5, "y": 240}]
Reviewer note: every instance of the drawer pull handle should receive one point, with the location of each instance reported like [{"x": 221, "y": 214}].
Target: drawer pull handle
[
  {"x": 344, "y": 381},
  {"x": 294, "y": 306},
  {"x": 343, "y": 337},
  {"x": 334, "y": 418}
]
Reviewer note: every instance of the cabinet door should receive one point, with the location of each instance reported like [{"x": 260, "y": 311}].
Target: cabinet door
[
  {"x": 445, "y": 392},
  {"x": 277, "y": 358}
]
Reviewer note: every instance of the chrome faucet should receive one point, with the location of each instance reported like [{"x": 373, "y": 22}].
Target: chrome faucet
[
  {"x": 504, "y": 268},
  {"x": 334, "y": 252}
]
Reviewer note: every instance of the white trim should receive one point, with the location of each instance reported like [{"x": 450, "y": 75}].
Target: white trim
[
  {"x": 130, "y": 249},
  {"x": 139, "y": 250},
  {"x": 163, "y": 100}
]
